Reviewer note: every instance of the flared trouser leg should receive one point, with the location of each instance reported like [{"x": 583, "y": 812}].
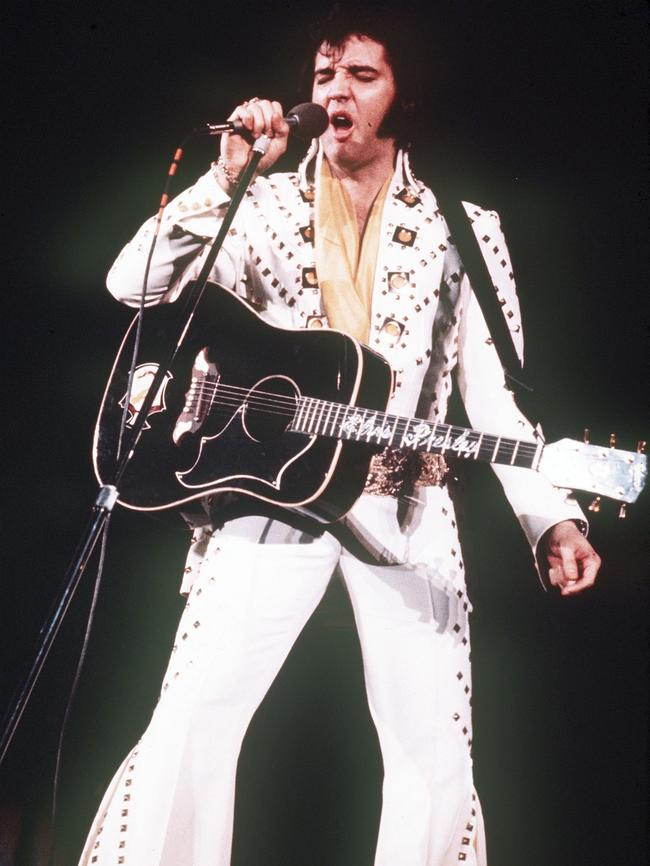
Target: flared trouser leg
[
  {"x": 415, "y": 646},
  {"x": 172, "y": 801}
]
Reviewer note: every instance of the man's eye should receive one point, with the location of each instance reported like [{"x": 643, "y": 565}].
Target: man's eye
[{"x": 323, "y": 79}]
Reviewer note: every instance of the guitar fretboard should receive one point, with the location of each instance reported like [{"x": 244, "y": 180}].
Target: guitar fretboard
[{"x": 339, "y": 421}]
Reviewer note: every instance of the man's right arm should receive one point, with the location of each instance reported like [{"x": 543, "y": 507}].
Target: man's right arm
[
  {"x": 188, "y": 223},
  {"x": 193, "y": 218}
]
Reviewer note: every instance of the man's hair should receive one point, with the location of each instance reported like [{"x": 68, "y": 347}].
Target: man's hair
[{"x": 395, "y": 28}]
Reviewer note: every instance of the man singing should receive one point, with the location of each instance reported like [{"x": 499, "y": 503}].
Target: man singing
[{"x": 351, "y": 241}]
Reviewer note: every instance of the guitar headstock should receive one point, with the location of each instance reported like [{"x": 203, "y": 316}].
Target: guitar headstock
[{"x": 605, "y": 471}]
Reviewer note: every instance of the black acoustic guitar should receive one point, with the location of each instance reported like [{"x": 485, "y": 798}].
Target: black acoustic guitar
[{"x": 293, "y": 417}]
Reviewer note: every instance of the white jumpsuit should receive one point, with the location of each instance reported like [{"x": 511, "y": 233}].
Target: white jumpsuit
[{"x": 253, "y": 583}]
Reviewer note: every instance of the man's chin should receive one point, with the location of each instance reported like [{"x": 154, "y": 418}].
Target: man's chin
[{"x": 343, "y": 151}]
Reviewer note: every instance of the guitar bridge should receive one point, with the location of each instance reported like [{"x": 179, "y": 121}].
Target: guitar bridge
[{"x": 199, "y": 397}]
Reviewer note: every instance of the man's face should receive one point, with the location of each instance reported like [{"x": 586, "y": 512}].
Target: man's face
[{"x": 355, "y": 85}]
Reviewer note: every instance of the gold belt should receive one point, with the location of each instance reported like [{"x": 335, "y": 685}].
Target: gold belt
[{"x": 393, "y": 472}]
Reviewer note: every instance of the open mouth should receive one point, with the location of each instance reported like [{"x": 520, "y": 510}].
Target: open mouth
[{"x": 341, "y": 120}]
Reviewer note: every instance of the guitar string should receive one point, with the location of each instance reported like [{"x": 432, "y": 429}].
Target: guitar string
[
  {"x": 272, "y": 406},
  {"x": 278, "y": 404},
  {"x": 525, "y": 450},
  {"x": 264, "y": 400}
]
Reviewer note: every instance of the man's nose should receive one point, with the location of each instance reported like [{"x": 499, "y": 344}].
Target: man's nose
[{"x": 340, "y": 85}]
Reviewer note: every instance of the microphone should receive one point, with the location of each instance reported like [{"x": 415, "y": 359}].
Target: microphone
[{"x": 307, "y": 120}]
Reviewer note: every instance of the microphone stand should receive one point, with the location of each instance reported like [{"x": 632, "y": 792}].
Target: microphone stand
[{"x": 108, "y": 493}]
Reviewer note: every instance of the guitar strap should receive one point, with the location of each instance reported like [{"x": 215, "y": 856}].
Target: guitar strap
[{"x": 475, "y": 266}]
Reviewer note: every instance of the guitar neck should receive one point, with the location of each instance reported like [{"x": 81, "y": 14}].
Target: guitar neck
[{"x": 339, "y": 421}]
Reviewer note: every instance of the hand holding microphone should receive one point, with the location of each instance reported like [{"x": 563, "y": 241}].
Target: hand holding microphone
[{"x": 254, "y": 118}]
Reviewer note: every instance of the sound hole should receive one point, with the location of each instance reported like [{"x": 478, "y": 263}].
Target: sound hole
[{"x": 270, "y": 408}]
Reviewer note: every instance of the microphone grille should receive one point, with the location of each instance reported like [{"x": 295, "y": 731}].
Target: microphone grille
[{"x": 311, "y": 120}]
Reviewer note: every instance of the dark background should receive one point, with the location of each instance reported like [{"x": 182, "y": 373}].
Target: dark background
[{"x": 539, "y": 113}]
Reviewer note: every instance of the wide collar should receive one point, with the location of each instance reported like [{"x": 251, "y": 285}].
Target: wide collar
[{"x": 404, "y": 185}]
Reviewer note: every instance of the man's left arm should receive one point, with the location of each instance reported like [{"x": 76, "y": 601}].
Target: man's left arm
[{"x": 550, "y": 517}]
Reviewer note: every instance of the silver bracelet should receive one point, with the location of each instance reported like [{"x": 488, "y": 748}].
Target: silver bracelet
[{"x": 233, "y": 179}]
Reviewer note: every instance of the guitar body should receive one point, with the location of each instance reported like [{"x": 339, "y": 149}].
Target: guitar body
[{"x": 220, "y": 421}]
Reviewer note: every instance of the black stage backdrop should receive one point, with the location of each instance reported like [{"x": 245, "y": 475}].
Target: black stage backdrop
[{"x": 538, "y": 110}]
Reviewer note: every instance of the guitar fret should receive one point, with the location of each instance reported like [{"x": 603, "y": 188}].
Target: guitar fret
[
  {"x": 465, "y": 444},
  {"x": 525, "y": 456},
  {"x": 334, "y": 429},
  {"x": 361, "y": 426},
  {"x": 343, "y": 431},
  {"x": 313, "y": 426},
  {"x": 352, "y": 434},
  {"x": 392, "y": 432},
  {"x": 403, "y": 443},
  {"x": 297, "y": 424},
  {"x": 434, "y": 433},
  {"x": 319, "y": 415},
  {"x": 478, "y": 446},
  {"x": 514, "y": 454},
  {"x": 537, "y": 456},
  {"x": 330, "y": 406},
  {"x": 486, "y": 448},
  {"x": 309, "y": 420},
  {"x": 503, "y": 454},
  {"x": 496, "y": 449},
  {"x": 383, "y": 436},
  {"x": 318, "y": 411},
  {"x": 385, "y": 433},
  {"x": 305, "y": 414}
]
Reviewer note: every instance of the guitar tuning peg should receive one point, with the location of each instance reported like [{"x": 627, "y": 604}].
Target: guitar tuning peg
[
  {"x": 595, "y": 505},
  {"x": 622, "y": 513},
  {"x": 585, "y": 435},
  {"x": 612, "y": 440},
  {"x": 640, "y": 446}
]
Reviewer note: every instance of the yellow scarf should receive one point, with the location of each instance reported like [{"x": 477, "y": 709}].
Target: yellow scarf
[{"x": 345, "y": 262}]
